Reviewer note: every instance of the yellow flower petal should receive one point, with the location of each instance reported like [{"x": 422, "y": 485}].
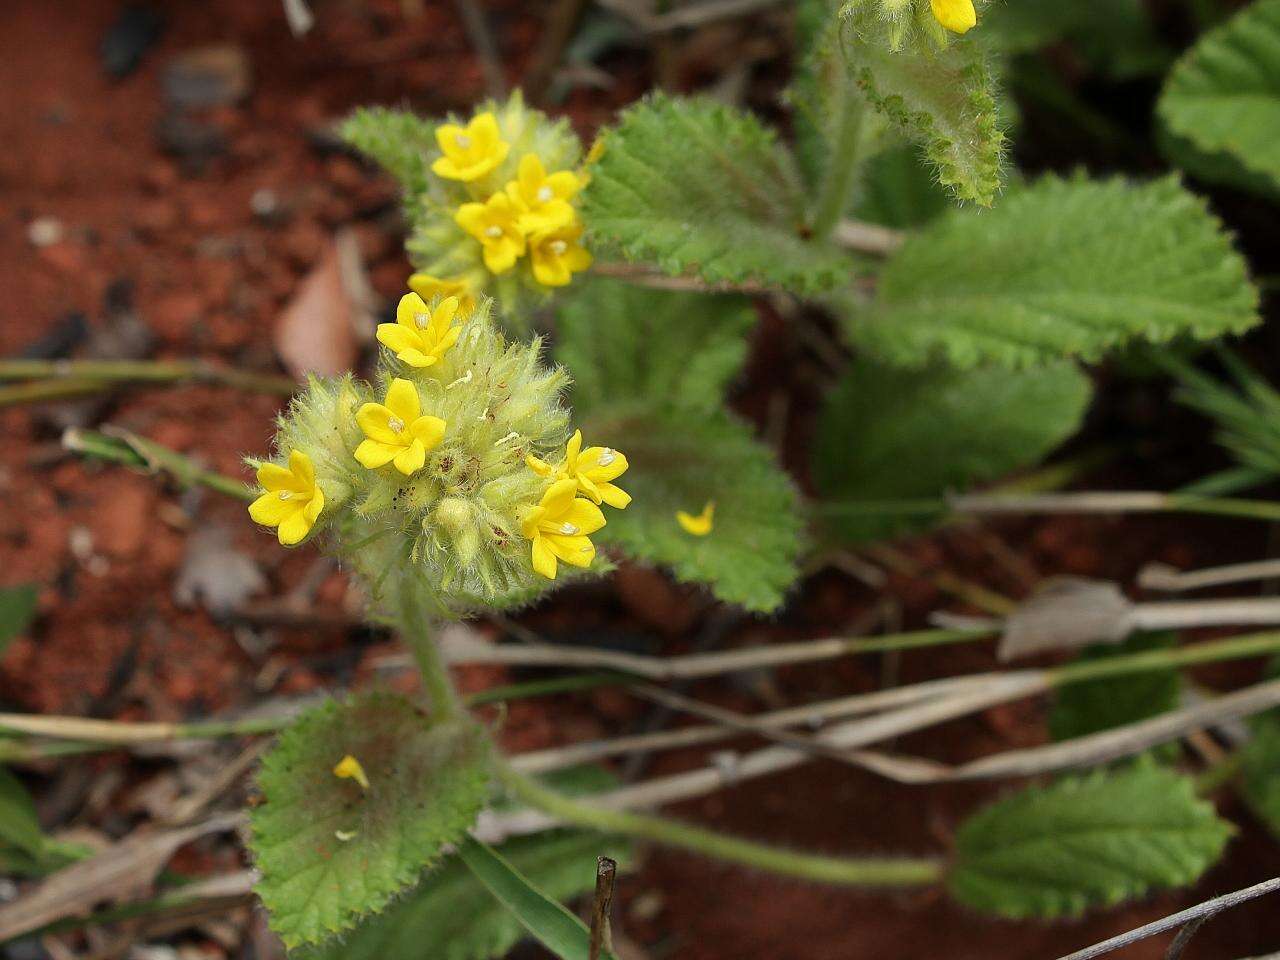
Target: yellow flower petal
[
  {"x": 559, "y": 497},
  {"x": 402, "y": 400},
  {"x": 416, "y": 359},
  {"x": 411, "y": 458},
  {"x": 301, "y": 467},
  {"x": 540, "y": 467},
  {"x": 428, "y": 431},
  {"x": 412, "y": 313},
  {"x": 294, "y": 528},
  {"x": 372, "y": 454},
  {"x": 270, "y": 511},
  {"x": 396, "y": 338},
  {"x": 349, "y": 768},
  {"x": 583, "y": 516},
  {"x": 615, "y": 497},
  {"x": 272, "y": 476},
  {"x": 374, "y": 421},
  {"x": 578, "y": 551},
  {"x": 700, "y": 525},
  {"x": 544, "y": 561},
  {"x": 958, "y": 16}
]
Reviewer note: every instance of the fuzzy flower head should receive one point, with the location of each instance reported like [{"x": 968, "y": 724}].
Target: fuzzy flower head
[
  {"x": 291, "y": 500},
  {"x": 422, "y": 478},
  {"x": 499, "y": 214}
]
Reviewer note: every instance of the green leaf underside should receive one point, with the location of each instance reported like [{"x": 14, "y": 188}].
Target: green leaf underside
[
  {"x": 1064, "y": 268},
  {"x": 1223, "y": 100},
  {"x": 544, "y": 917},
  {"x": 17, "y": 610},
  {"x": 898, "y": 191},
  {"x": 889, "y": 434},
  {"x": 623, "y": 343},
  {"x": 1093, "y": 841},
  {"x": 1091, "y": 706},
  {"x": 692, "y": 185},
  {"x": 681, "y": 461},
  {"x": 397, "y": 140},
  {"x": 452, "y": 916},
  {"x": 945, "y": 99},
  {"x": 428, "y": 782},
  {"x": 1260, "y": 772}
]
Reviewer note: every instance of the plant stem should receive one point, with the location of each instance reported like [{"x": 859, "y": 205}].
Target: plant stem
[
  {"x": 416, "y": 630},
  {"x": 1234, "y": 648},
  {"x": 45, "y": 391},
  {"x": 106, "y": 372},
  {"x": 860, "y": 872},
  {"x": 1105, "y": 502},
  {"x": 842, "y": 165},
  {"x": 128, "y": 450}
]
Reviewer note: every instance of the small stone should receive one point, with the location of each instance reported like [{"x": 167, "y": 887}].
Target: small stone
[
  {"x": 212, "y": 76},
  {"x": 45, "y": 231},
  {"x": 193, "y": 141}
]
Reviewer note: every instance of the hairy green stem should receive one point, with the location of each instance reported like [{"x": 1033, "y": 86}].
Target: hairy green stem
[
  {"x": 842, "y": 166},
  {"x": 859, "y": 872},
  {"x": 107, "y": 372},
  {"x": 100, "y": 446},
  {"x": 47, "y": 391},
  {"x": 418, "y": 632}
]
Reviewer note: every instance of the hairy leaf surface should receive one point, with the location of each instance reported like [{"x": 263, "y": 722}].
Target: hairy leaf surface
[
  {"x": 1064, "y": 268},
  {"x": 890, "y": 434},
  {"x": 399, "y": 141},
  {"x": 331, "y": 852},
  {"x": 1222, "y": 100},
  {"x": 944, "y": 98},
  {"x": 692, "y": 185},
  {"x": 626, "y": 344},
  {"x": 1093, "y": 841}
]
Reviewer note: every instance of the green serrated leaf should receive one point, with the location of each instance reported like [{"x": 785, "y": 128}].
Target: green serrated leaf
[
  {"x": 1092, "y": 706},
  {"x": 19, "y": 826},
  {"x": 331, "y": 852},
  {"x": 1064, "y": 268},
  {"x": 692, "y": 185},
  {"x": 544, "y": 917},
  {"x": 1222, "y": 99},
  {"x": 452, "y": 916},
  {"x": 623, "y": 343},
  {"x": 890, "y": 434},
  {"x": 17, "y": 610},
  {"x": 943, "y": 98},
  {"x": 401, "y": 142},
  {"x": 680, "y": 461},
  {"x": 1092, "y": 841}
]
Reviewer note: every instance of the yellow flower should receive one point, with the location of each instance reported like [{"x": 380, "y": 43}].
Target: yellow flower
[
  {"x": 471, "y": 151},
  {"x": 292, "y": 501},
  {"x": 559, "y": 528},
  {"x": 420, "y": 337},
  {"x": 700, "y": 525},
  {"x": 396, "y": 430},
  {"x": 543, "y": 201},
  {"x": 349, "y": 768},
  {"x": 593, "y": 469},
  {"x": 958, "y": 16},
  {"x": 494, "y": 224},
  {"x": 426, "y": 286},
  {"x": 557, "y": 255}
]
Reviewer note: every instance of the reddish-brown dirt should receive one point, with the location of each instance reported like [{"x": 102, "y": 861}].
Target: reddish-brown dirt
[{"x": 209, "y": 279}]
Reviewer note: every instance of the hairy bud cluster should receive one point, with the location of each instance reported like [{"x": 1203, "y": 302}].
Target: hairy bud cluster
[{"x": 913, "y": 23}]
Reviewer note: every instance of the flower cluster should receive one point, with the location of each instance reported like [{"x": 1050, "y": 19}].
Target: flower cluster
[
  {"x": 439, "y": 476},
  {"x": 501, "y": 214}
]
